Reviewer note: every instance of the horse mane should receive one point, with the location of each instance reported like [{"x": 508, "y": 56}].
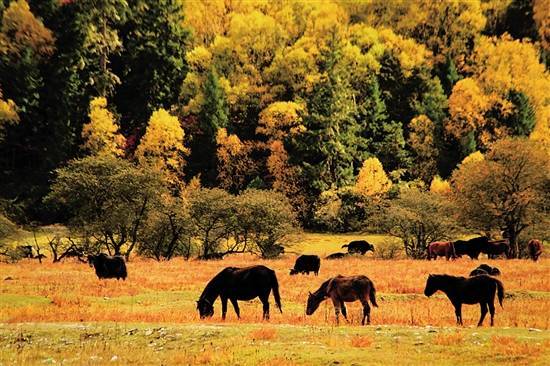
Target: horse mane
[{"x": 212, "y": 287}]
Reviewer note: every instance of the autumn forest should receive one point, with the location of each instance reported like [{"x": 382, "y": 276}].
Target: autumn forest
[{"x": 347, "y": 115}]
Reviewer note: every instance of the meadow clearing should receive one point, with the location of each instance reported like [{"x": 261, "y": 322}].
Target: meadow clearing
[{"x": 55, "y": 312}]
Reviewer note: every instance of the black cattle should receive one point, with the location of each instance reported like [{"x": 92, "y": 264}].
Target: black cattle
[
  {"x": 107, "y": 266},
  {"x": 336, "y": 256},
  {"x": 305, "y": 264},
  {"x": 472, "y": 248},
  {"x": 485, "y": 269},
  {"x": 359, "y": 246}
]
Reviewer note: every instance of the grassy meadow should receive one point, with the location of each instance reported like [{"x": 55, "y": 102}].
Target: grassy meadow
[{"x": 52, "y": 313}]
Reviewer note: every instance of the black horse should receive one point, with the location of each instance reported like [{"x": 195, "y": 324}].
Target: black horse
[
  {"x": 472, "y": 247},
  {"x": 473, "y": 290},
  {"x": 239, "y": 284},
  {"x": 359, "y": 246},
  {"x": 485, "y": 269},
  {"x": 342, "y": 289}
]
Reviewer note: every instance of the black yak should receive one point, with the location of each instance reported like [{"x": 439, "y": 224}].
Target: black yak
[{"x": 107, "y": 266}]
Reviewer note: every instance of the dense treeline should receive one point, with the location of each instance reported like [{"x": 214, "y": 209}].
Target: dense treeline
[{"x": 336, "y": 105}]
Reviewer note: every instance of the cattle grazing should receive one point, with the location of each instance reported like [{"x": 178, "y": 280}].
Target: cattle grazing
[
  {"x": 441, "y": 249},
  {"x": 107, "y": 266},
  {"x": 239, "y": 284},
  {"x": 336, "y": 256},
  {"x": 305, "y": 264},
  {"x": 473, "y": 290},
  {"x": 472, "y": 247},
  {"x": 486, "y": 270},
  {"x": 211, "y": 256},
  {"x": 535, "y": 249},
  {"x": 359, "y": 246},
  {"x": 495, "y": 248},
  {"x": 342, "y": 289}
]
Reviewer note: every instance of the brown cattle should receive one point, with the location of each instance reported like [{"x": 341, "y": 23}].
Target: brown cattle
[
  {"x": 535, "y": 249},
  {"x": 442, "y": 249}
]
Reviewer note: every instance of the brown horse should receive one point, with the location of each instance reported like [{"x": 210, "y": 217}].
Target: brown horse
[
  {"x": 494, "y": 248},
  {"x": 535, "y": 249},
  {"x": 441, "y": 249},
  {"x": 342, "y": 289},
  {"x": 473, "y": 290}
]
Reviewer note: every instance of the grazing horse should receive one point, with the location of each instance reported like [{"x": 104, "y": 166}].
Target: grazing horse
[
  {"x": 239, "y": 284},
  {"x": 359, "y": 246},
  {"x": 472, "y": 247},
  {"x": 486, "y": 270},
  {"x": 535, "y": 249},
  {"x": 473, "y": 290},
  {"x": 336, "y": 256},
  {"x": 342, "y": 289},
  {"x": 495, "y": 248},
  {"x": 442, "y": 249}
]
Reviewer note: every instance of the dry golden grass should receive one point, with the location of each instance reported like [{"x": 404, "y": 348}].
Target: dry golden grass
[
  {"x": 448, "y": 339},
  {"x": 361, "y": 341},
  {"x": 263, "y": 334},
  {"x": 166, "y": 292}
]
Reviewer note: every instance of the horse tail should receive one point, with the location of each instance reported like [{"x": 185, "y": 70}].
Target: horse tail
[
  {"x": 345, "y": 245},
  {"x": 276, "y": 295},
  {"x": 500, "y": 292},
  {"x": 372, "y": 295}
]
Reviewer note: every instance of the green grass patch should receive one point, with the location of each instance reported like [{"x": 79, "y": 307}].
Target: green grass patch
[{"x": 265, "y": 344}]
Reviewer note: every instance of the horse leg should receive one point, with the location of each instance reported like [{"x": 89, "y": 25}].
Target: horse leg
[
  {"x": 366, "y": 312},
  {"x": 336, "y": 304},
  {"x": 344, "y": 310},
  {"x": 458, "y": 313},
  {"x": 236, "y": 307},
  {"x": 492, "y": 310},
  {"x": 265, "y": 303},
  {"x": 224, "y": 306},
  {"x": 483, "y": 306}
]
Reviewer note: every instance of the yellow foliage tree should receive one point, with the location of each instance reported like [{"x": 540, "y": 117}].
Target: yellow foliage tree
[
  {"x": 473, "y": 158},
  {"x": 235, "y": 164},
  {"x": 372, "y": 179},
  {"x": 541, "y": 15},
  {"x": 281, "y": 119},
  {"x": 422, "y": 143},
  {"x": 467, "y": 107},
  {"x": 8, "y": 114},
  {"x": 162, "y": 145},
  {"x": 504, "y": 64},
  {"x": 21, "y": 30},
  {"x": 101, "y": 134},
  {"x": 440, "y": 186}
]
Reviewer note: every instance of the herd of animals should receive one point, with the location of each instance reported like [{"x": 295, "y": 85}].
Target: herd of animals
[{"x": 258, "y": 281}]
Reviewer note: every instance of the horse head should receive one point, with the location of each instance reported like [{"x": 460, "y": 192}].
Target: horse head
[
  {"x": 205, "y": 308},
  {"x": 431, "y": 286},
  {"x": 313, "y": 302}
]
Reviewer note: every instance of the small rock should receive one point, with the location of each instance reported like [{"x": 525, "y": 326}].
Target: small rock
[
  {"x": 114, "y": 358},
  {"x": 9, "y": 278},
  {"x": 432, "y": 331},
  {"x": 534, "y": 330},
  {"x": 148, "y": 332},
  {"x": 418, "y": 343}
]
